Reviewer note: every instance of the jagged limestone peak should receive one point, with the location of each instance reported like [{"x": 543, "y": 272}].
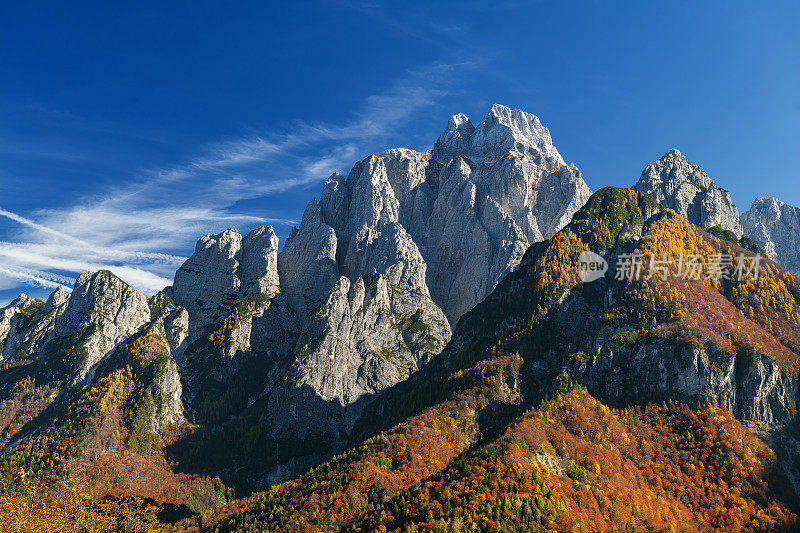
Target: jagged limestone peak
[
  {"x": 9, "y": 317},
  {"x": 58, "y": 298},
  {"x": 684, "y": 187},
  {"x": 504, "y": 129},
  {"x": 775, "y": 226},
  {"x": 101, "y": 312},
  {"x": 456, "y": 136},
  {"x": 226, "y": 267}
]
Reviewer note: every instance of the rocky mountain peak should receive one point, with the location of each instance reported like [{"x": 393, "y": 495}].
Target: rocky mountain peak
[
  {"x": 684, "y": 187},
  {"x": 503, "y": 130},
  {"x": 367, "y": 286},
  {"x": 469, "y": 208},
  {"x": 101, "y": 292},
  {"x": 101, "y": 312},
  {"x": 21, "y": 302},
  {"x": 775, "y": 226},
  {"x": 58, "y": 298},
  {"x": 771, "y": 205},
  {"x": 224, "y": 267},
  {"x": 311, "y": 212},
  {"x": 10, "y": 315},
  {"x": 456, "y": 136},
  {"x": 258, "y": 263},
  {"x": 362, "y": 295}
]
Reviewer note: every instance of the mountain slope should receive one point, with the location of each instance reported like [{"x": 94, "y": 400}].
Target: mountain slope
[
  {"x": 570, "y": 463},
  {"x": 494, "y": 431},
  {"x": 256, "y": 364},
  {"x": 99, "y": 400}
]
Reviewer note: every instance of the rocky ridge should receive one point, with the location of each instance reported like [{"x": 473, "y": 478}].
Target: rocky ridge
[
  {"x": 77, "y": 338},
  {"x": 294, "y": 344},
  {"x": 775, "y": 226},
  {"x": 292, "y": 348},
  {"x": 683, "y": 187},
  {"x": 606, "y": 338},
  {"x": 367, "y": 287}
]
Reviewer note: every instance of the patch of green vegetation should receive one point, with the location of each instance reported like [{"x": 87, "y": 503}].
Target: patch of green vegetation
[
  {"x": 749, "y": 244},
  {"x": 144, "y": 409},
  {"x": 613, "y": 213},
  {"x": 64, "y": 357},
  {"x": 141, "y": 438},
  {"x": 572, "y": 470},
  {"x": 390, "y": 353},
  {"x": 627, "y": 338},
  {"x": 18, "y": 358},
  {"x": 159, "y": 303},
  {"x": 415, "y": 324},
  {"x": 745, "y": 242},
  {"x": 241, "y": 310},
  {"x": 208, "y": 497},
  {"x": 419, "y": 335},
  {"x": 724, "y": 234},
  {"x": 33, "y": 308}
]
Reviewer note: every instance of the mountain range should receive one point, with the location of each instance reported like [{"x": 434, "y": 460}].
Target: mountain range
[{"x": 426, "y": 322}]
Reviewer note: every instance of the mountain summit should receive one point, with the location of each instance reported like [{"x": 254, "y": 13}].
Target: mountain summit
[
  {"x": 683, "y": 187},
  {"x": 367, "y": 287},
  {"x": 290, "y": 347},
  {"x": 775, "y": 225}
]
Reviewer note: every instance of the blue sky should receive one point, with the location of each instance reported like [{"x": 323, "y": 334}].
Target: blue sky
[{"x": 126, "y": 132}]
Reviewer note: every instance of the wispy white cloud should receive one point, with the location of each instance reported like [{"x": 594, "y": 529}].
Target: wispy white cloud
[
  {"x": 34, "y": 278},
  {"x": 134, "y": 228}
]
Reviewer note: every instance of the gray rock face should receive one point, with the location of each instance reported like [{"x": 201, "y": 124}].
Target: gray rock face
[
  {"x": 31, "y": 324},
  {"x": 169, "y": 409},
  {"x": 307, "y": 263},
  {"x": 435, "y": 229},
  {"x": 12, "y": 317},
  {"x": 363, "y": 293},
  {"x": 73, "y": 332},
  {"x": 174, "y": 322},
  {"x": 7, "y": 313},
  {"x": 754, "y": 389},
  {"x": 776, "y": 227},
  {"x": 499, "y": 187},
  {"x": 165, "y": 389},
  {"x": 223, "y": 268},
  {"x": 471, "y": 206},
  {"x": 684, "y": 187},
  {"x": 102, "y": 311},
  {"x": 366, "y": 288},
  {"x": 756, "y": 392}
]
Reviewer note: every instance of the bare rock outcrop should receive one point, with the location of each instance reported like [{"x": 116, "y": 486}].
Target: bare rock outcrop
[
  {"x": 102, "y": 311},
  {"x": 775, "y": 226},
  {"x": 683, "y": 187}
]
